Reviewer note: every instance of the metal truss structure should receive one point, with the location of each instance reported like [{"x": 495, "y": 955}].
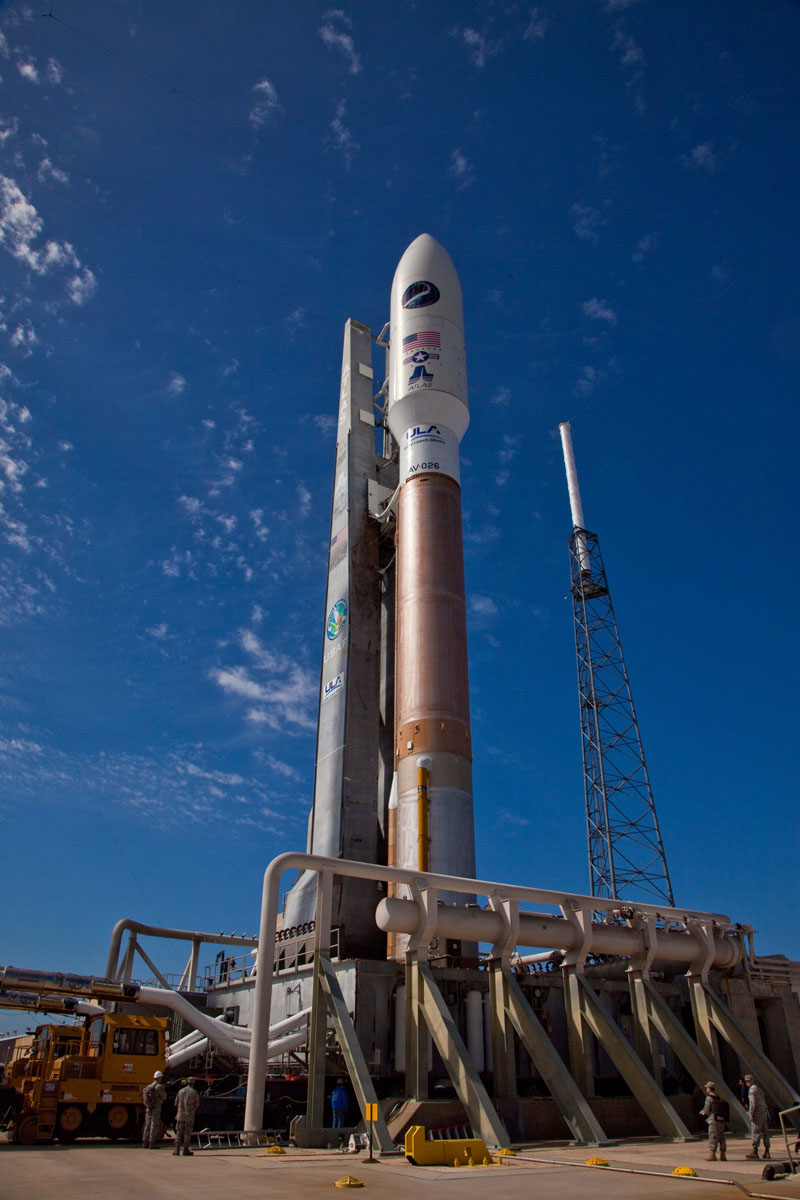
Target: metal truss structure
[{"x": 626, "y": 854}]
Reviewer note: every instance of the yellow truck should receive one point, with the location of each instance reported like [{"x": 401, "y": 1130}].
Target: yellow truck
[{"x": 71, "y": 1081}]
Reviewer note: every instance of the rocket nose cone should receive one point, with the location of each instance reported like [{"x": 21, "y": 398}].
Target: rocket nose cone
[{"x": 426, "y": 259}]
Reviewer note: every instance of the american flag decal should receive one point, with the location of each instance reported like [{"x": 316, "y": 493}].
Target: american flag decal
[
  {"x": 340, "y": 539},
  {"x": 418, "y": 340}
]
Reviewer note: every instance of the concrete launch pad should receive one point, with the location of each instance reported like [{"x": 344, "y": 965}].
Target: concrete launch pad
[{"x": 91, "y": 1170}]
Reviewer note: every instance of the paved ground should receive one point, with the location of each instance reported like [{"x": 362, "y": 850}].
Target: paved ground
[{"x": 105, "y": 1171}]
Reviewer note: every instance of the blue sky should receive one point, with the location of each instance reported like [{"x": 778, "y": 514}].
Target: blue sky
[{"x": 195, "y": 197}]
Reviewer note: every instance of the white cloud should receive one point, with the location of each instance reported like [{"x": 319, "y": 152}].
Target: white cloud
[
  {"x": 342, "y": 138},
  {"x": 482, "y": 606},
  {"x": 281, "y": 697},
  {"x": 335, "y": 37},
  {"x": 304, "y": 499},
  {"x": 701, "y": 158},
  {"x": 20, "y": 226},
  {"x": 586, "y": 221},
  {"x": 296, "y": 320},
  {"x": 176, "y": 385},
  {"x": 599, "y": 310},
  {"x": 325, "y": 423},
  {"x": 479, "y": 48},
  {"x": 537, "y": 26},
  {"x": 158, "y": 631},
  {"x": 501, "y": 398},
  {"x": 461, "y": 169},
  {"x": 9, "y": 127},
  {"x": 631, "y": 53},
  {"x": 81, "y": 287},
  {"x": 24, "y": 338},
  {"x": 511, "y": 445},
  {"x": 54, "y": 72},
  {"x": 47, "y": 171},
  {"x": 645, "y": 246},
  {"x": 265, "y": 105},
  {"x": 27, "y": 70},
  {"x": 586, "y": 381}
]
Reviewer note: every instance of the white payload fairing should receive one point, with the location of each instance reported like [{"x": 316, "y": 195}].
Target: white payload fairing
[{"x": 428, "y": 415}]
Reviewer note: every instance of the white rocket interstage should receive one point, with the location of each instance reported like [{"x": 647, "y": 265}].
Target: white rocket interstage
[{"x": 428, "y": 415}]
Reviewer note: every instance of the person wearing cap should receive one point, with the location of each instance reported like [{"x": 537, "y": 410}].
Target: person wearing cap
[
  {"x": 716, "y": 1125},
  {"x": 186, "y": 1105},
  {"x": 153, "y": 1097},
  {"x": 339, "y": 1104},
  {"x": 759, "y": 1117}
]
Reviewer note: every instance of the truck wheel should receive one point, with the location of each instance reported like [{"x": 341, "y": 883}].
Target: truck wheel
[
  {"x": 25, "y": 1130},
  {"x": 70, "y": 1122},
  {"x": 120, "y": 1122}
]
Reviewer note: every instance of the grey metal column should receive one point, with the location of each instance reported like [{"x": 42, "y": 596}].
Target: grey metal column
[
  {"x": 660, "y": 1016},
  {"x": 465, "y": 1078},
  {"x": 505, "y": 1075},
  {"x": 315, "y": 1098},
  {"x": 768, "y": 1075},
  {"x": 416, "y": 1034},
  {"x": 658, "y": 1109},
  {"x": 562, "y": 1087}
]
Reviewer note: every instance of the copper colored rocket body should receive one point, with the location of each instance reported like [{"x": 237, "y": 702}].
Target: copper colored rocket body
[{"x": 431, "y": 681}]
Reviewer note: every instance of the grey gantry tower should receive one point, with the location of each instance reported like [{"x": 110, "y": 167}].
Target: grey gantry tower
[{"x": 626, "y": 854}]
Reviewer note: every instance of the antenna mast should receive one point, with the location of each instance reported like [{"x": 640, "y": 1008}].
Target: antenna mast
[{"x": 626, "y": 854}]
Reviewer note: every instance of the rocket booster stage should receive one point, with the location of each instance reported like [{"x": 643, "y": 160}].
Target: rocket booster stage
[{"x": 428, "y": 415}]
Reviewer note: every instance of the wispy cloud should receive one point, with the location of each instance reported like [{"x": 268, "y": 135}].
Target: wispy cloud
[
  {"x": 586, "y": 221},
  {"x": 20, "y": 229},
  {"x": 333, "y": 32},
  {"x": 479, "y": 47},
  {"x": 482, "y": 606},
  {"x": 341, "y": 138},
  {"x": 536, "y": 28},
  {"x": 265, "y": 105},
  {"x": 461, "y": 169},
  {"x": 645, "y": 246},
  {"x": 501, "y": 397},
  {"x": 176, "y": 384},
  {"x": 599, "y": 310},
  {"x": 701, "y": 158},
  {"x": 279, "y": 692}
]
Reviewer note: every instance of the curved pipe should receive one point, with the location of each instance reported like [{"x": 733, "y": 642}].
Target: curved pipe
[
  {"x": 276, "y": 1049},
  {"x": 178, "y": 935}
]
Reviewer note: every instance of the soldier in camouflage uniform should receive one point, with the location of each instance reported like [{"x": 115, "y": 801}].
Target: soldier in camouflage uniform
[
  {"x": 716, "y": 1126},
  {"x": 759, "y": 1117},
  {"x": 153, "y": 1096},
  {"x": 187, "y": 1104}
]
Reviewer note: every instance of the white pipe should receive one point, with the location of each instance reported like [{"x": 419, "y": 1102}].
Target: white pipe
[
  {"x": 545, "y": 956},
  {"x": 487, "y": 1033},
  {"x": 242, "y": 1033},
  {"x": 576, "y": 507},
  {"x": 400, "y": 1030},
  {"x": 276, "y": 1049},
  {"x": 475, "y": 1028}
]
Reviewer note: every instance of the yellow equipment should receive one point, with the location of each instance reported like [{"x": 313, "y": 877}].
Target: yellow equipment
[
  {"x": 445, "y": 1152},
  {"x": 85, "y": 1082}
]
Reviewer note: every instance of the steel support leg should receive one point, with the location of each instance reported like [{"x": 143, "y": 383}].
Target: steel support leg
[
  {"x": 416, "y": 1034},
  {"x": 562, "y": 1087},
  {"x": 755, "y": 1058},
  {"x": 503, "y": 1058},
  {"x": 351, "y": 1049},
  {"x": 661, "y": 1018},
  {"x": 657, "y": 1108},
  {"x": 471, "y": 1092}
]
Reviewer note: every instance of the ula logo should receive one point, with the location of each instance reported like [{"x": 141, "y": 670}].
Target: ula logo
[
  {"x": 431, "y": 432},
  {"x": 420, "y": 294},
  {"x": 332, "y": 687}
]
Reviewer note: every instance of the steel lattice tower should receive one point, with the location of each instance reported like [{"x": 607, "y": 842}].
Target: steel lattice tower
[{"x": 626, "y": 854}]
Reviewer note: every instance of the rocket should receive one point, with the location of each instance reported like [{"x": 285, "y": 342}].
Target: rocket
[{"x": 428, "y": 415}]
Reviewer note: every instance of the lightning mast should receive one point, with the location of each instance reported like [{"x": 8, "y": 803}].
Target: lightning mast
[{"x": 626, "y": 854}]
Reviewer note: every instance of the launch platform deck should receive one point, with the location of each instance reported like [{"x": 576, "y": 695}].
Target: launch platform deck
[{"x": 97, "y": 1170}]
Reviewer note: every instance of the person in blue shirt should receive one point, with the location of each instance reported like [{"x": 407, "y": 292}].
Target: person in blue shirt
[{"x": 339, "y": 1104}]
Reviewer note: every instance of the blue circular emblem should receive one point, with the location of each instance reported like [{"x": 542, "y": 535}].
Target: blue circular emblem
[
  {"x": 336, "y": 619},
  {"x": 420, "y": 294}
]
